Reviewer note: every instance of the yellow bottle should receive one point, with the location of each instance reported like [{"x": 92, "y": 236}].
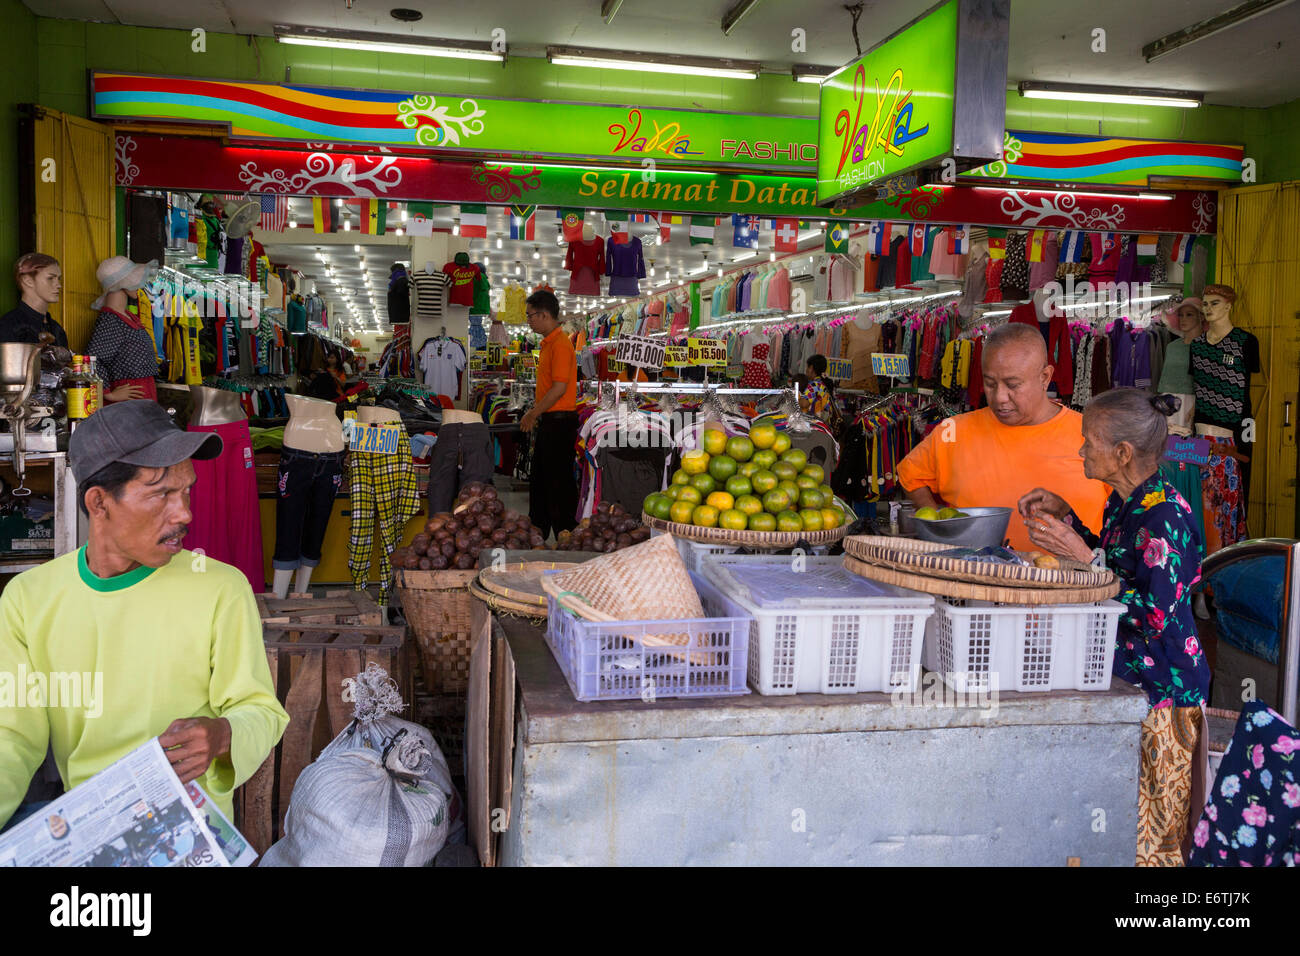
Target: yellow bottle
[{"x": 80, "y": 388}]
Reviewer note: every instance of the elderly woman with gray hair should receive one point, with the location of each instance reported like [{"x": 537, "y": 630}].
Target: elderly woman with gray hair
[{"x": 1151, "y": 541}]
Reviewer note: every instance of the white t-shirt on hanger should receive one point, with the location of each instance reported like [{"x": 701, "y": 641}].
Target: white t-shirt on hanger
[{"x": 441, "y": 359}]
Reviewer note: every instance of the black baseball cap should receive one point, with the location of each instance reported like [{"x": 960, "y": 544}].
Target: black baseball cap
[{"x": 136, "y": 432}]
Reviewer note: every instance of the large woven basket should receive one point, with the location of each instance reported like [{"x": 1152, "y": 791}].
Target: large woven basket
[
  {"x": 646, "y": 582},
  {"x": 521, "y": 582},
  {"x": 998, "y": 594},
  {"x": 919, "y": 557},
  {"x": 438, "y": 605},
  {"x": 752, "y": 539},
  {"x": 504, "y": 605}
]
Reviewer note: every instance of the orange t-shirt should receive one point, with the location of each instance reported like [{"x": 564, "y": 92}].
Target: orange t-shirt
[
  {"x": 977, "y": 462},
  {"x": 558, "y": 363}
]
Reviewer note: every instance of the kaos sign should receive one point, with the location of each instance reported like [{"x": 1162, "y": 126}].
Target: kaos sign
[{"x": 931, "y": 92}]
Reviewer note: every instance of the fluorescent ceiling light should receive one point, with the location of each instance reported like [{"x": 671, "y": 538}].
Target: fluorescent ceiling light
[
  {"x": 1110, "y": 94},
  {"x": 746, "y": 256},
  {"x": 657, "y": 63},
  {"x": 810, "y": 74},
  {"x": 1155, "y": 195},
  {"x": 454, "y": 49}
]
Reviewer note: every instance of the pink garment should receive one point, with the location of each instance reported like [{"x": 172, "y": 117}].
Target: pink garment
[
  {"x": 1041, "y": 273},
  {"x": 943, "y": 264},
  {"x": 843, "y": 278},
  {"x": 681, "y": 319},
  {"x": 778, "y": 291},
  {"x": 755, "y": 371},
  {"x": 226, "y": 524}
]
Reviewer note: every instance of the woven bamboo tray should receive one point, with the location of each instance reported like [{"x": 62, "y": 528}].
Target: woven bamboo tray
[
  {"x": 918, "y": 557},
  {"x": 980, "y": 592},
  {"x": 504, "y": 605},
  {"x": 749, "y": 539},
  {"x": 521, "y": 582}
]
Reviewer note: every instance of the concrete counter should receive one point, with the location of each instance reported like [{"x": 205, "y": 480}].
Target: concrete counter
[{"x": 812, "y": 779}]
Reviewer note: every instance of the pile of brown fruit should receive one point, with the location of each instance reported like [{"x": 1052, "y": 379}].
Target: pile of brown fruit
[
  {"x": 609, "y": 529},
  {"x": 479, "y": 520}
]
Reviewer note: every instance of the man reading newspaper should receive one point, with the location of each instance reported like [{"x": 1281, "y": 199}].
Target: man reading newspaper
[{"x": 173, "y": 638}]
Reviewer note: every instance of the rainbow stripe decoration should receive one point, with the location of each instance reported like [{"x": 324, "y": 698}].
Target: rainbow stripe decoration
[{"x": 1056, "y": 157}]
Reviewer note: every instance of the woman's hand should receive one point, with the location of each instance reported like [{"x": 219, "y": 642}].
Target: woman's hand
[
  {"x": 124, "y": 393},
  {"x": 1042, "y": 501},
  {"x": 1056, "y": 537}
]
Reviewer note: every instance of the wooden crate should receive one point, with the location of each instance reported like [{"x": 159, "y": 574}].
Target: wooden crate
[
  {"x": 332, "y": 607},
  {"x": 308, "y": 665},
  {"x": 437, "y": 604}
]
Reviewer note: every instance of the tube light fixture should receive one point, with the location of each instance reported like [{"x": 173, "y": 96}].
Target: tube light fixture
[
  {"x": 498, "y": 242},
  {"x": 747, "y": 256},
  {"x": 384, "y": 43},
  {"x": 653, "y": 63},
  {"x": 810, "y": 74},
  {"x": 1110, "y": 94},
  {"x": 404, "y": 215}
]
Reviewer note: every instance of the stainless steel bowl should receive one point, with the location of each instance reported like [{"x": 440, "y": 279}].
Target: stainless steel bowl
[{"x": 982, "y": 528}]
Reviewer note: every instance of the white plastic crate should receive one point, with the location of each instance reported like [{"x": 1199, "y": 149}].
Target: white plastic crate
[
  {"x": 823, "y": 630},
  {"x": 694, "y": 552},
  {"x": 1045, "y": 647}
]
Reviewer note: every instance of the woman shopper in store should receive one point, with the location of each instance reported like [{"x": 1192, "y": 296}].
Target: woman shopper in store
[
  {"x": 817, "y": 397},
  {"x": 1151, "y": 541},
  {"x": 40, "y": 281}
]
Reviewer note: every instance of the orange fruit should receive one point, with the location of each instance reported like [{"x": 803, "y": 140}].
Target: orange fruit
[
  {"x": 816, "y": 472},
  {"x": 789, "y": 521},
  {"x": 695, "y": 462},
  {"x": 713, "y": 441},
  {"x": 811, "y": 500},
  {"x": 680, "y": 477},
  {"x": 740, "y": 448},
  {"x": 705, "y": 516},
  {"x": 749, "y": 504},
  {"x": 762, "y": 521},
  {"x": 681, "y": 512},
  {"x": 776, "y": 501},
  {"x": 811, "y": 519},
  {"x": 785, "y": 470},
  {"x": 689, "y": 494},
  {"x": 763, "y": 435},
  {"x": 763, "y": 482},
  {"x": 704, "y": 484},
  {"x": 832, "y": 517},
  {"x": 781, "y": 444},
  {"x": 722, "y": 467},
  {"x": 797, "y": 457},
  {"x": 733, "y": 520},
  {"x": 721, "y": 500}
]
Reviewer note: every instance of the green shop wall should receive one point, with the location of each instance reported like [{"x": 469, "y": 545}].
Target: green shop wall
[{"x": 18, "y": 54}]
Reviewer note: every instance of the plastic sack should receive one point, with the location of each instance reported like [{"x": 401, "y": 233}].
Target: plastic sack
[{"x": 379, "y": 794}]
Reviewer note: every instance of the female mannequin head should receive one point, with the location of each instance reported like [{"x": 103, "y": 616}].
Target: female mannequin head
[
  {"x": 39, "y": 279},
  {"x": 1189, "y": 319},
  {"x": 1218, "y": 300}
]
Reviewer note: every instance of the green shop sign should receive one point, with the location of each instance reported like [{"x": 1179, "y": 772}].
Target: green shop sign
[
  {"x": 267, "y": 111},
  {"x": 934, "y": 90}
]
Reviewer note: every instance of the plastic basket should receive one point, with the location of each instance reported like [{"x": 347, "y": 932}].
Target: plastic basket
[
  {"x": 608, "y": 661},
  {"x": 823, "y": 630},
  {"x": 694, "y": 553},
  {"x": 1050, "y": 647}
]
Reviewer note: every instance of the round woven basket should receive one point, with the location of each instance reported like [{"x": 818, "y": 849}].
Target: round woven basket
[
  {"x": 521, "y": 582},
  {"x": 918, "y": 557},
  {"x": 751, "y": 539},
  {"x": 503, "y": 605},
  {"x": 946, "y": 587}
]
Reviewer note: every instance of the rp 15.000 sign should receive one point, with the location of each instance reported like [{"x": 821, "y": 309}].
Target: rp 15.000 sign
[{"x": 640, "y": 351}]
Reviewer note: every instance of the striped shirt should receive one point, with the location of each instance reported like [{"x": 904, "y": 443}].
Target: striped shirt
[{"x": 430, "y": 293}]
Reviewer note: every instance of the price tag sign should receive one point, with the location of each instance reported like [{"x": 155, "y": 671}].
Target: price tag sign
[
  {"x": 1192, "y": 451},
  {"x": 735, "y": 371},
  {"x": 476, "y": 361},
  {"x": 494, "y": 354},
  {"x": 528, "y": 360},
  {"x": 840, "y": 369},
  {"x": 676, "y": 356},
  {"x": 706, "y": 352},
  {"x": 888, "y": 364},
  {"x": 639, "y": 351},
  {"x": 378, "y": 439}
]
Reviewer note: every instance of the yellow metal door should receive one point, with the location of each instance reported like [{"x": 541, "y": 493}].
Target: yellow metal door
[
  {"x": 74, "y": 207},
  {"x": 1259, "y": 257}
]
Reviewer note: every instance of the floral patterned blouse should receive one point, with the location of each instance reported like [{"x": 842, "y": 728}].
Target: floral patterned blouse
[
  {"x": 817, "y": 398},
  {"x": 1152, "y": 543}
]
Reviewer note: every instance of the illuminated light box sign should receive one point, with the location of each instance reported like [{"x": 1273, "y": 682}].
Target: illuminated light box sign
[{"x": 934, "y": 90}]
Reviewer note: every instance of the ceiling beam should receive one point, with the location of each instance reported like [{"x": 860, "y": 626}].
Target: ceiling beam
[
  {"x": 733, "y": 16},
  {"x": 608, "y": 9},
  {"x": 1208, "y": 28}
]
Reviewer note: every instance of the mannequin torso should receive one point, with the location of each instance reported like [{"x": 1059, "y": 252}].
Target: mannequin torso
[
  {"x": 313, "y": 426},
  {"x": 214, "y": 406},
  {"x": 460, "y": 416},
  {"x": 1222, "y": 361},
  {"x": 377, "y": 414}
]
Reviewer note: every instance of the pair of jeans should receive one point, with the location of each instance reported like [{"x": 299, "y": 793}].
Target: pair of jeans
[
  {"x": 553, "y": 486},
  {"x": 463, "y": 454},
  {"x": 306, "y": 486}
]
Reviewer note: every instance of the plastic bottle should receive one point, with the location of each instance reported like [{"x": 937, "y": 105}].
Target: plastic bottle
[{"x": 80, "y": 387}]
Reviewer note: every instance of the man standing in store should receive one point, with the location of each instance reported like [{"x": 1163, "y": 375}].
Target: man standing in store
[
  {"x": 553, "y": 487},
  {"x": 995, "y": 455},
  {"x": 173, "y": 637}
]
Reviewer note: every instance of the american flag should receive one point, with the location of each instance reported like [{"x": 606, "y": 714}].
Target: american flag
[{"x": 275, "y": 213}]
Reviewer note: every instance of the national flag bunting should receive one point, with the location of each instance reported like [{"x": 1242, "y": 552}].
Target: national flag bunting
[
  {"x": 837, "y": 237},
  {"x": 958, "y": 239},
  {"x": 419, "y": 220},
  {"x": 572, "y": 219},
  {"x": 1148, "y": 247},
  {"x": 1037, "y": 242},
  {"x": 702, "y": 230},
  {"x": 744, "y": 231},
  {"x": 473, "y": 221},
  {"x": 665, "y": 230},
  {"x": 275, "y": 213},
  {"x": 672, "y": 219},
  {"x": 374, "y": 216},
  {"x": 523, "y": 222},
  {"x": 877, "y": 237},
  {"x": 918, "y": 239},
  {"x": 997, "y": 244},
  {"x": 640, "y": 217},
  {"x": 617, "y": 227},
  {"x": 787, "y": 235},
  {"x": 324, "y": 214},
  {"x": 1072, "y": 245},
  {"x": 1181, "y": 251}
]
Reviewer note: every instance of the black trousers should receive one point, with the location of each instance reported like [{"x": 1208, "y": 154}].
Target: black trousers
[
  {"x": 463, "y": 454},
  {"x": 553, "y": 487},
  {"x": 307, "y": 485}
]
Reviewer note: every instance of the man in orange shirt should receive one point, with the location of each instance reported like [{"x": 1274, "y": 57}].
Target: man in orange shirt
[
  {"x": 993, "y": 456},
  {"x": 553, "y": 486}
]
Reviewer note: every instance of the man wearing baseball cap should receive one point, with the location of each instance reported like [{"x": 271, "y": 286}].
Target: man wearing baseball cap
[{"x": 176, "y": 636}]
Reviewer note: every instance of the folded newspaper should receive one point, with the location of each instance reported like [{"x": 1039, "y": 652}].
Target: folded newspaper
[{"x": 134, "y": 812}]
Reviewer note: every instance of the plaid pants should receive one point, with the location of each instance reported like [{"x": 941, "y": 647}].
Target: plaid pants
[{"x": 384, "y": 494}]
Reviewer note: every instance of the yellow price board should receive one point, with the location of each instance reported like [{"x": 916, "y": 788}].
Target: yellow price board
[
  {"x": 379, "y": 438},
  {"x": 706, "y": 352},
  {"x": 891, "y": 365},
  {"x": 494, "y": 354},
  {"x": 677, "y": 356}
]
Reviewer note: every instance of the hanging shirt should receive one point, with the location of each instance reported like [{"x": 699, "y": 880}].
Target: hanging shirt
[
  {"x": 462, "y": 276},
  {"x": 440, "y": 360},
  {"x": 431, "y": 290},
  {"x": 585, "y": 262},
  {"x": 1221, "y": 373}
]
